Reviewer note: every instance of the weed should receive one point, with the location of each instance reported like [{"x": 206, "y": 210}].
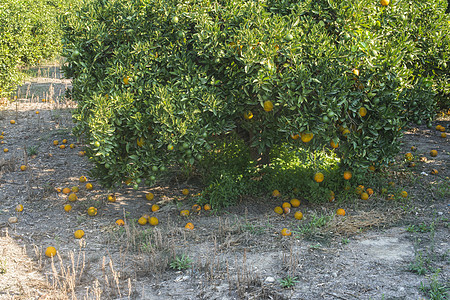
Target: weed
[
  {"x": 435, "y": 290},
  {"x": 182, "y": 262},
  {"x": 3, "y": 266},
  {"x": 418, "y": 266},
  {"x": 288, "y": 282},
  {"x": 345, "y": 241},
  {"x": 254, "y": 229},
  {"x": 422, "y": 228},
  {"x": 310, "y": 228},
  {"x": 32, "y": 150}
]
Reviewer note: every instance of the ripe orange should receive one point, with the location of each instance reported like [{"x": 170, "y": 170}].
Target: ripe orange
[
  {"x": 153, "y": 221},
  {"x": 149, "y": 196},
  {"x": 333, "y": 144},
  {"x": 347, "y": 175},
  {"x": 295, "y": 202},
  {"x": 285, "y": 232},
  {"x": 286, "y": 204},
  {"x": 278, "y": 210},
  {"x": 12, "y": 122},
  {"x": 248, "y": 115},
  {"x": 111, "y": 198},
  {"x": 298, "y": 215},
  {"x": 340, "y": 212},
  {"x": 268, "y": 105},
  {"x": 19, "y": 208},
  {"x": 443, "y": 135},
  {"x": 23, "y": 167},
  {"x": 359, "y": 189},
  {"x": 55, "y": 142},
  {"x": 79, "y": 234},
  {"x": 92, "y": 211},
  {"x": 318, "y": 177},
  {"x": 331, "y": 196},
  {"x": 142, "y": 220},
  {"x": 433, "y": 153},
  {"x": 306, "y": 136},
  {"x": 434, "y": 172},
  {"x": 369, "y": 191},
  {"x": 83, "y": 179},
  {"x": 362, "y": 111},
  {"x": 66, "y": 190},
  {"x": 185, "y": 192},
  {"x": 184, "y": 213},
  {"x": 345, "y": 132},
  {"x": 120, "y": 222},
  {"x": 442, "y": 128},
  {"x": 404, "y": 194},
  {"x": 196, "y": 207},
  {"x": 295, "y": 136},
  {"x": 409, "y": 156},
  {"x": 390, "y": 197},
  {"x": 50, "y": 251},
  {"x": 75, "y": 189},
  {"x": 126, "y": 80},
  {"x": 355, "y": 72},
  {"x": 71, "y": 146},
  {"x": 64, "y": 141},
  {"x": 286, "y": 210},
  {"x": 155, "y": 207},
  {"x": 189, "y": 226},
  {"x": 67, "y": 207},
  {"x": 62, "y": 147},
  {"x": 89, "y": 186},
  {"x": 384, "y": 2},
  {"x": 364, "y": 196},
  {"x": 81, "y": 153},
  {"x": 72, "y": 197},
  {"x": 438, "y": 127},
  {"x": 276, "y": 193},
  {"x": 207, "y": 206},
  {"x": 5, "y": 150}
]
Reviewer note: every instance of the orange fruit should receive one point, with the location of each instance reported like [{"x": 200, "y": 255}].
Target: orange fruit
[
  {"x": 81, "y": 153},
  {"x": 196, "y": 207},
  {"x": 149, "y": 196},
  {"x": 12, "y": 122},
  {"x": 404, "y": 194},
  {"x": 438, "y": 127},
  {"x": 331, "y": 196},
  {"x": 369, "y": 191},
  {"x": 184, "y": 213},
  {"x": 443, "y": 135},
  {"x": 333, "y": 144},
  {"x": 83, "y": 179},
  {"x": 286, "y": 204},
  {"x": 155, "y": 207},
  {"x": 442, "y": 129},
  {"x": 62, "y": 147},
  {"x": 345, "y": 132},
  {"x": 286, "y": 210},
  {"x": 111, "y": 198},
  {"x": 189, "y": 226},
  {"x": 355, "y": 72},
  {"x": 362, "y": 111},
  {"x": 413, "y": 148},
  {"x": 50, "y": 251},
  {"x": 268, "y": 105},
  {"x": 92, "y": 211},
  {"x": 185, "y": 192},
  {"x": 71, "y": 146},
  {"x": 75, "y": 189},
  {"x": 23, "y": 167},
  {"x": 433, "y": 153},
  {"x": 58, "y": 190},
  {"x": 434, "y": 172},
  {"x": 55, "y": 142},
  {"x": 66, "y": 190},
  {"x": 142, "y": 220},
  {"x": 67, "y": 207},
  {"x": 120, "y": 222},
  {"x": 126, "y": 80},
  {"x": 347, "y": 175},
  {"x": 390, "y": 196},
  {"x": 364, "y": 196},
  {"x": 19, "y": 208},
  {"x": 248, "y": 115},
  {"x": 295, "y": 202},
  {"x": 298, "y": 215},
  {"x": 276, "y": 193},
  {"x": 72, "y": 197},
  {"x": 79, "y": 234},
  {"x": 384, "y": 2},
  {"x": 207, "y": 206},
  {"x": 295, "y": 136},
  {"x": 409, "y": 156},
  {"x": 285, "y": 232},
  {"x": 318, "y": 177},
  {"x": 64, "y": 141},
  {"x": 153, "y": 221},
  {"x": 89, "y": 186},
  {"x": 340, "y": 212},
  {"x": 5, "y": 150},
  {"x": 306, "y": 136},
  {"x": 359, "y": 189},
  {"x": 278, "y": 210}
]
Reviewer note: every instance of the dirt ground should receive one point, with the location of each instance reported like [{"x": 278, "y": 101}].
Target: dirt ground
[{"x": 380, "y": 250}]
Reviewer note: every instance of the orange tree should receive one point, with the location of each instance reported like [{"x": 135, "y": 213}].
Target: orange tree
[{"x": 160, "y": 83}]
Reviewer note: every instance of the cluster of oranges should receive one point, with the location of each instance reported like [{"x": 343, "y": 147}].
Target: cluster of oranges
[
  {"x": 441, "y": 129},
  {"x": 63, "y": 144}
]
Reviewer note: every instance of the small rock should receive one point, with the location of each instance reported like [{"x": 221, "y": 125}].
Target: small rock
[
  {"x": 440, "y": 213},
  {"x": 269, "y": 280},
  {"x": 13, "y": 220}
]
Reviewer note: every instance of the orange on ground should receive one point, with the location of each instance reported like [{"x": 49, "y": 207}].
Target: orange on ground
[
  {"x": 149, "y": 196},
  {"x": 434, "y": 172},
  {"x": 276, "y": 193},
  {"x": 185, "y": 192},
  {"x": 23, "y": 167},
  {"x": 295, "y": 136},
  {"x": 55, "y": 142},
  {"x": 62, "y": 147},
  {"x": 72, "y": 197},
  {"x": 298, "y": 215},
  {"x": 364, "y": 196},
  {"x": 19, "y": 207},
  {"x": 92, "y": 211},
  {"x": 184, "y": 213},
  {"x": 384, "y": 2},
  {"x": 142, "y": 220},
  {"x": 443, "y": 135},
  {"x": 390, "y": 196},
  {"x": 359, "y": 190},
  {"x": 404, "y": 194},
  {"x": 196, "y": 207},
  {"x": 120, "y": 222},
  {"x": 5, "y": 150},
  {"x": 67, "y": 207},
  {"x": 66, "y": 190},
  {"x": 286, "y": 210},
  {"x": 207, "y": 206},
  {"x": 347, "y": 175},
  {"x": 79, "y": 234},
  {"x": 153, "y": 221},
  {"x": 50, "y": 251},
  {"x": 285, "y": 232},
  {"x": 369, "y": 191},
  {"x": 12, "y": 122},
  {"x": 189, "y": 226},
  {"x": 89, "y": 186},
  {"x": 155, "y": 207},
  {"x": 295, "y": 202},
  {"x": 83, "y": 179},
  {"x": 75, "y": 189},
  {"x": 409, "y": 156},
  {"x": 278, "y": 210},
  {"x": 340, "y": 212},
  {"x": 111, "y": 198},
  {"x": 286, "y": 204},
  {"x": 433, "y": 153},
  {"x": 318, "y": 177},
  {"x": 64, "y": 141}
]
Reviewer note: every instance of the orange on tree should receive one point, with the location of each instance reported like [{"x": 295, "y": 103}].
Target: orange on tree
[
  {"x": 50, "y": 251},
  {"x": 362, "y": 111},
  {"x": 347, "y": 175},
  {"x": 318, "y": 177},
  {"x": 333, "y": 144},
  {"x": 306, "y": 136},
  {"x": 248, "y": 115},
  {"x": 79, "y": 234},
  {"x": 268, "y": 105}
]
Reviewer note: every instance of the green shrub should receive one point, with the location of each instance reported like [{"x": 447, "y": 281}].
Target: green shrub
[{"x": 161, "y": 83}]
